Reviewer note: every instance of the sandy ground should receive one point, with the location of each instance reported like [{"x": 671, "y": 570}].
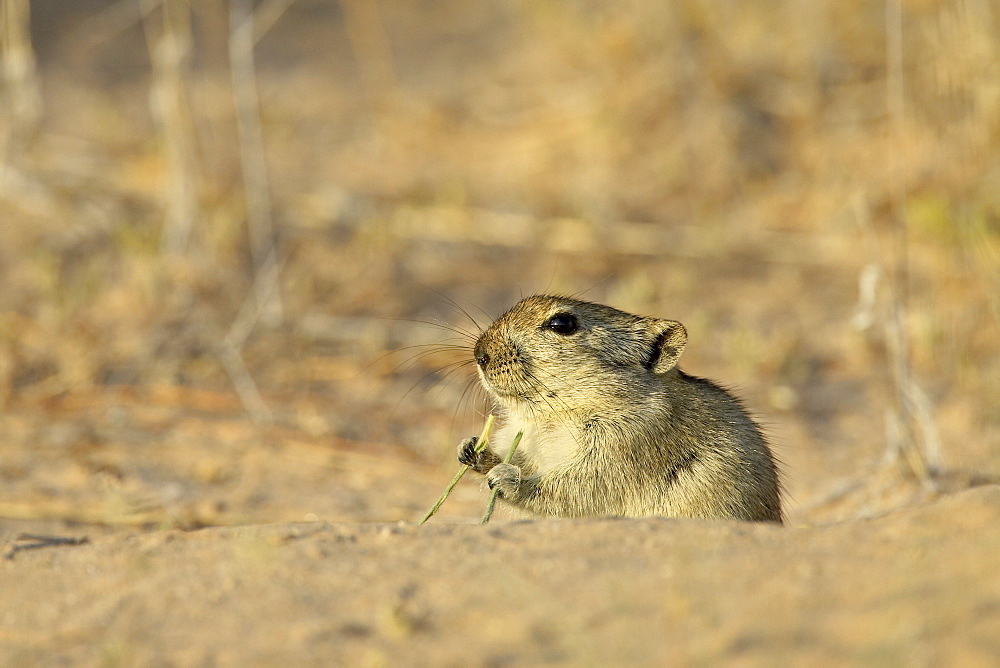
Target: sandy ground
[{"x": 918, "y": 587}]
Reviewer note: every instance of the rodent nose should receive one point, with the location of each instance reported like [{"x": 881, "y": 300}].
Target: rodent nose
[{"x": 482, "y": 357}]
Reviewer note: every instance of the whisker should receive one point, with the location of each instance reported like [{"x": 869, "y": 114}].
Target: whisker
[
  {"x": 455, "y": 305},
  {"x": 411, "y": 361},
  {"x": 489, "y": 318},
  {"x": 436, "y": 347},
  {"x": 424, "y": 377},
  {"x": 561, "y": 415},
  {"x": 581, "y": 293},
  {"x": 455, "y": 368},
  {"x": 471, "y": 386},
  {"x": 452, "y": 303},
  {"x": 465, "y": 334}
]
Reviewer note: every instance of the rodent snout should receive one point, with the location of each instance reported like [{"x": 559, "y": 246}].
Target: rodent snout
[{"x": 482, "y": 357}]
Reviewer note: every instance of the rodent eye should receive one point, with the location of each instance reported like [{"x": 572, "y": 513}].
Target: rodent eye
[{"x": 563, "y": 323}]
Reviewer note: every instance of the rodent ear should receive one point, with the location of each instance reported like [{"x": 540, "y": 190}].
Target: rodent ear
[{"x": 671, "y": 337}]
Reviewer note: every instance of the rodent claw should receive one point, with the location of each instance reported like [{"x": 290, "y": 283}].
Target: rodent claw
[{"x": 467, "y": 451}]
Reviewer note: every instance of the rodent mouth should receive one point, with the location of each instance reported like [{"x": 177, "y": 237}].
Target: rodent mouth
[
  {"x": 498, "y": 392},
  {"x": 501, "y": 394},
  {"x": 507, "y": 395}
]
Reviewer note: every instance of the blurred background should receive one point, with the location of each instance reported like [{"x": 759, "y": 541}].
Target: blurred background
[{"x": 237, "y": 238}]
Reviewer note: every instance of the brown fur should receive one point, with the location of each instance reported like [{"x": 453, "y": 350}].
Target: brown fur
[{"x": 612, "y": 427}]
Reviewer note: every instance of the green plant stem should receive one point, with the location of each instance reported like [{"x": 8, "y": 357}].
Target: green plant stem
[
  {"x": 480, "y": 446},
  {"x": 495, "y": 492}
]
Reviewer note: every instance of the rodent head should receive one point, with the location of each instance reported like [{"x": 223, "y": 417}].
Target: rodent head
[{"x": 556, "y": 354}]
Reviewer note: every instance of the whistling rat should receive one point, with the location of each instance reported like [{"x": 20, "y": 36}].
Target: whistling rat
[{"x": 612, "y": 427}]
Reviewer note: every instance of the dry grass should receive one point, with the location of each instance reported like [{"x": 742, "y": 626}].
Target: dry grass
[{"x": 239, "y": 204}]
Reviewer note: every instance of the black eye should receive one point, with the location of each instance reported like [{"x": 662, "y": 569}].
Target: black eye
[{"x": 563, "y": 323}]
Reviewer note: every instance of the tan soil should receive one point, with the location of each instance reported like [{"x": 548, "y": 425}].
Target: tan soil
[{"x": 919, "y": 587}]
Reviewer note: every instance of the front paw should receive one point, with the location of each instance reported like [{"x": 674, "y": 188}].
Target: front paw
[
  {"x": 506, "y": 478},
  {"x": 467, "y": 452},
  {"x": 481, "y": 461}
]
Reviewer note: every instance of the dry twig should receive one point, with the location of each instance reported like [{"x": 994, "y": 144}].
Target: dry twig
[
  {"x": 169, "y": 49},
  {"x": 22, "y": 99},
  {"x": 256, "y": 183},
  {"x": 31, "y": 541}
]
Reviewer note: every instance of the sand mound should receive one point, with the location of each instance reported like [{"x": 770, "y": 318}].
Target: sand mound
[{"x": 919, "y": 586}]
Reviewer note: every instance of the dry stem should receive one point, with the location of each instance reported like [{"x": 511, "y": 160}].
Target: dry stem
[
  {"x": 480, "y": 446},
  {"x": 488, "y": 513}
]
